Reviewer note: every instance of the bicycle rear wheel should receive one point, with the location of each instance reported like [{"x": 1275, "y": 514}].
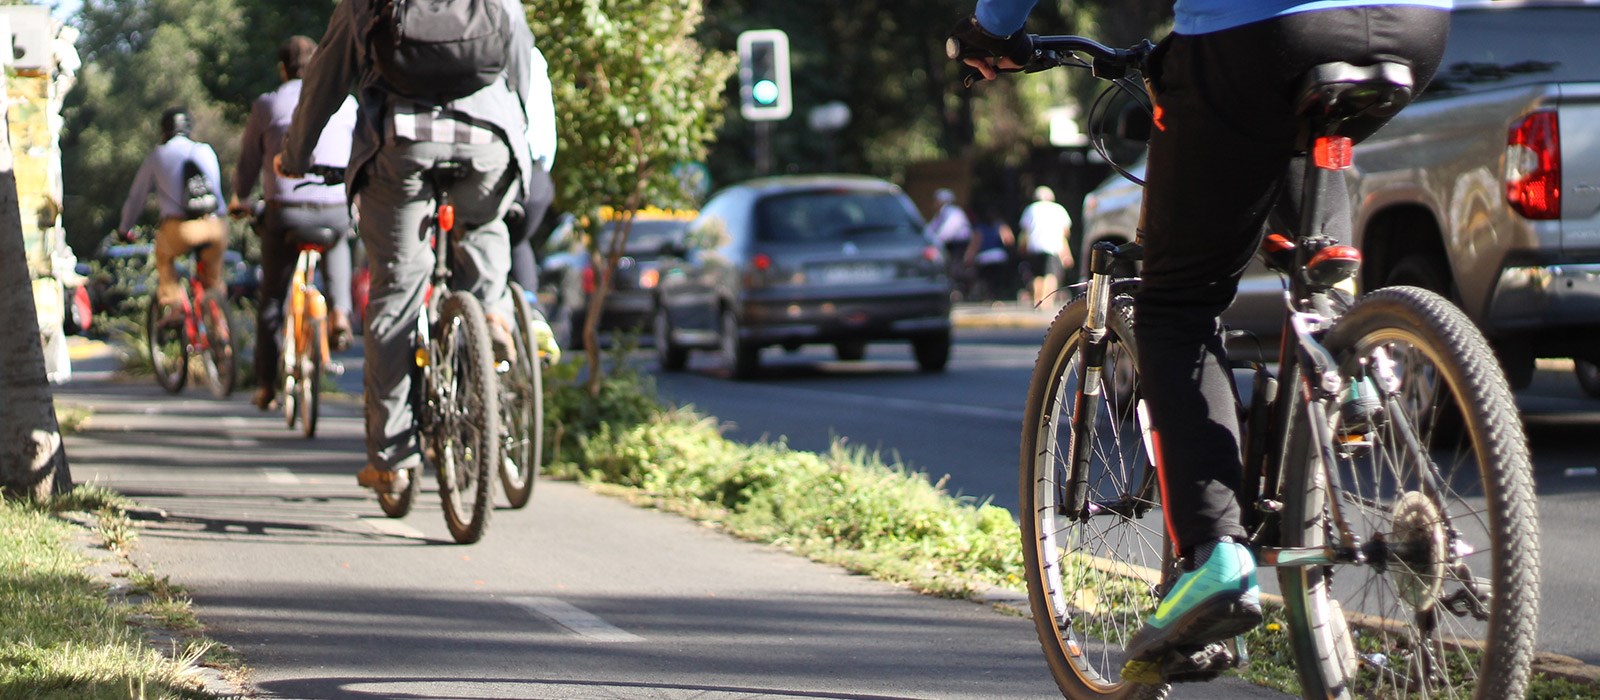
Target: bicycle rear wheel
[
  {"x": 218, "y": 356},
  {"x": 1437, "y": 484},
  {"x": 522, "y": 409},
  {"x": 167, "y": 348},
  {"x": 465, "y": 428},
  {"x": 310, "y": 365},
  {"x": 1094, "y": 572}
]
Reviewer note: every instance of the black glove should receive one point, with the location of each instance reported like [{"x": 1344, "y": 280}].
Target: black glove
[{"x": 970, "y": 40}]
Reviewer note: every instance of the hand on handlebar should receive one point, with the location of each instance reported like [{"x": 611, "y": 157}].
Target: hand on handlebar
[
  {"x": 277, "y": 167},
  {"x": 974, "y": 46}
]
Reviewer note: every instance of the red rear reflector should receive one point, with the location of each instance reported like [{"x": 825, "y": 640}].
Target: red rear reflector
[
  {"x": 1334, "y": 153},
  {"x": 1277, "y": 243},
  {"x": 447, "y": 217},
  {"x": 762, "y": 262},
  {"x": 1533, "y": 166}
]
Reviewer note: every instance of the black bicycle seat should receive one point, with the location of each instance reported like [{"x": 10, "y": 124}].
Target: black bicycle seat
[
  {"x": 1339, "y": 91},
  {"x": 320, "y": 237},
  {"x": 445, "y": 173}
]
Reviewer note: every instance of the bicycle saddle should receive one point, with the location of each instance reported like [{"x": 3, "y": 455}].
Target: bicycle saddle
[
  {"x": 445, "y": 173},
  {"x": 1334, "y": 92},
  {"x": 320, "y": 238}
]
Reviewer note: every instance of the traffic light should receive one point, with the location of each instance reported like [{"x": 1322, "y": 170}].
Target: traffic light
[{"x": 764, "y": 75}]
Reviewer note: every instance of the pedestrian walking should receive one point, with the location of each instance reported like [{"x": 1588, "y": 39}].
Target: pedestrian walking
[
  {"x": 952, "y": 230},
  {"x": 989, "y": 253},
  {"x": 1046, "y": 232}
]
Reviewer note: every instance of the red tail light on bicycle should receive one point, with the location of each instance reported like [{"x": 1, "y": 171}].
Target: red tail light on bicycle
[
  {"x": 447, "y": 217},
  {"x": 1334, "y": 153},
  {"x": 1533, "y": 166}
]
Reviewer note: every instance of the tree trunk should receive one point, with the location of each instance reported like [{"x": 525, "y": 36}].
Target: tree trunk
[{"x": 32, "y": 459}]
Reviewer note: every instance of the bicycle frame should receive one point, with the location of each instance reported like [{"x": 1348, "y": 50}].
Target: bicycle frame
[{"x": 305, "y": 303}]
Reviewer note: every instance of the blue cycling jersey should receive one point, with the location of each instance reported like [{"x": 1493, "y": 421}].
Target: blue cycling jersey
[{"x": 1003, "y": 17}]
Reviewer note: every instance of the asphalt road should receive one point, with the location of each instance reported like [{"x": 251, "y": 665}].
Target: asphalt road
[
  {"x": 966, "y": 424},
  {"x": 578, "y": 596}
]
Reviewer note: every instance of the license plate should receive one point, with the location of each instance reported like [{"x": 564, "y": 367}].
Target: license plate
[{"x": 852, "y": 273}]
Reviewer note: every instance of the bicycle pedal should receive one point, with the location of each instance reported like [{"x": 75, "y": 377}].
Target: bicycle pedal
[{"x": 1199, "y": 665}]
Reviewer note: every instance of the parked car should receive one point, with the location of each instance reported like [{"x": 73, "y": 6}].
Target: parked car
[
  {"x": 1486, "y": 189},
  {"x": 789, "y": 261},
  {"x": 567, "y": 279}
]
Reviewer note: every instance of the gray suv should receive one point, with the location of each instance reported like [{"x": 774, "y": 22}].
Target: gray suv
[
  {"x": 789, "y": 261},
  {"x": 1486, "y": 189}
]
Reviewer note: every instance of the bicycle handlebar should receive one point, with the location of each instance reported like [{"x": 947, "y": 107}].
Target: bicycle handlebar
[
  {"x": 330, "y": 174},
  {"x": 1053, "y": 51}
]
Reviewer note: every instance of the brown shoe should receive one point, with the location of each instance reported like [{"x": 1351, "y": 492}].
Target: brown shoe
[
  {"x": 384, "y": 480},
  {"x": 339, "y": 330},
  {"x": 505, "y": 348},
  {"x": 264, "y": 399}
]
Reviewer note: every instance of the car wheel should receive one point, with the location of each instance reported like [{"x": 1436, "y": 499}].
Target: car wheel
[
  {"x": 1588, "y": 377},
  {"x": 742, "y": 359},
  {"x": 673, "y": 357},
  {"x": 932, "y": 352},
  {"x": 850, "y": 350}
]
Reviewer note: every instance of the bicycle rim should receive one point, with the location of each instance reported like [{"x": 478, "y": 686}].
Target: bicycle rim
[
  {"x": 311, "y": 362},
  {"x": 522, "y": 410},
  {"x": 1447, "y": 605},
  {"x": 1094, "y": 575},
  {"x": 166, "y": 348},
  {"x": 466, "y": 428}
]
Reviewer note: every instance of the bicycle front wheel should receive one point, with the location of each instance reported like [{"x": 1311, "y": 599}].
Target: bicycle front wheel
[
  {"x": 217, "y": 343},
  {"x": 166, "y": 346},
  {"x": 466, "y": 422},
  {"x": 522, "y": 409},
  {"x": 1094, "y": 545},
  {"x": 1432, "y": 474}
]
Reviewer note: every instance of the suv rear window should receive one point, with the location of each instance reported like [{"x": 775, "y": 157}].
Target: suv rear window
[
  {"x": 833, "y": 215},
  {"x": 1510, "y": 46}
]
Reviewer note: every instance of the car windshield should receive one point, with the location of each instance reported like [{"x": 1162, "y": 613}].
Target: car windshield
[
  {"x": 1504, "y": 47},
  {"x": 833, "y": 215},
  {"x": 647, "y": 235}
]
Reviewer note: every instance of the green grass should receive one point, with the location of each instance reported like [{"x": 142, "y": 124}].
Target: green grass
[
  {"x": 59, "y": 635},
  {"x": 850, "y": 507}
]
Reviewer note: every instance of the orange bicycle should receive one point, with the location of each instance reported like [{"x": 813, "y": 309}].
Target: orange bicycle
[
  {"x": 196, "y": 326},
  {"x": 306, "y": 355}
]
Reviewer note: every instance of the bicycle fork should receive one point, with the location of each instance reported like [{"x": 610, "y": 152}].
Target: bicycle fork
[{"x": 1091, "y": 366}]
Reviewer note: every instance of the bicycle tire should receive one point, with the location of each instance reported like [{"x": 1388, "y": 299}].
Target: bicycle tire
[
  {"x": 311, "y": 363},
  {"x": 466, "y": 426},
  {"x": 1112, "y": 577},
  {"x": 221, "y": 362},
  {"x": 288, "y": 366},
  {"x": 167, "y": 349},
  {"x": 1464, "y": 420},
  {"x": 522, "y": 409},
  {"x": 398, "y": 505}
]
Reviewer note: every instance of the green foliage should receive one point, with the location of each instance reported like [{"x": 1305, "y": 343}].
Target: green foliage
[{"x": 627, "y": 398}]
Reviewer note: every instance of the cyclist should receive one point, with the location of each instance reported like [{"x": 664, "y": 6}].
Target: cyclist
[
  {"x": 168, "y": 167},
  {"x": 398, "y": 138},
  {"x": 1223, "y": 83},
  {"x": 292, "y": 205}
]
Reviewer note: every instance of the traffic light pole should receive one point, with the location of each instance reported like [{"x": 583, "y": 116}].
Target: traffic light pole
[{"x": 762, "y": 154}]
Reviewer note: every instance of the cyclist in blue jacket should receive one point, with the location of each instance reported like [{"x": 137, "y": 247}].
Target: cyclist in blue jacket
[{"x": 1223, "y": 84}]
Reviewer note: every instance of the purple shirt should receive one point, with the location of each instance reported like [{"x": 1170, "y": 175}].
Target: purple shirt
[{"x": 263, "y": 139}]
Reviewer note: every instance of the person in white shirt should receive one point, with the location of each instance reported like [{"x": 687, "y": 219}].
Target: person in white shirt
[
  {"x": 1047, "y": 228},
  {"x": 953, "y": 230}
]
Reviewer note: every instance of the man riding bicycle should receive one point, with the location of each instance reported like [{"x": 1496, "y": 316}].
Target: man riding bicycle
[
  {"x": 291, "y": 206},
  {"x": 1223, "y": 85},
  {"x": 399, "y": 136},
  {"x": 170, "y": 168}
]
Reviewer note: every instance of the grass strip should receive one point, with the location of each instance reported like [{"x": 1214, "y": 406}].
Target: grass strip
[
  {"x": 60, "y": 635},
  {"x": 849, "y": 507}
]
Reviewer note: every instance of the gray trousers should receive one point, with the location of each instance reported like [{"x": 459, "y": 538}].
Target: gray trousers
[{"x": 395, "y": 203}]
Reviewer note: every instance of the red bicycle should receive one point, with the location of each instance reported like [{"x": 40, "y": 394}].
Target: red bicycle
[{"x": 196, "y": 326}]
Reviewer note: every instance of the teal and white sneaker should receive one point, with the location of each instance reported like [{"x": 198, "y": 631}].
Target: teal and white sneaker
[{"x": 1216, "y": 601}]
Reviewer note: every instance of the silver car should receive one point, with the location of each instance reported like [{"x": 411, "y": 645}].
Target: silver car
[{"x": 789, "y": 261}]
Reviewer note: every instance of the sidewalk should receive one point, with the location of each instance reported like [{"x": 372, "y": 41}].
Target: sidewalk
[{"x": 1002, "y": 314}]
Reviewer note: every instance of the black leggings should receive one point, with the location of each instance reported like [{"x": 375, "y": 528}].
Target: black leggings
[{"x": 1226, "y": 109}]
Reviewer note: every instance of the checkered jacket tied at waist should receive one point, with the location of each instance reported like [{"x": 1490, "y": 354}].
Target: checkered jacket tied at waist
[{"x": 415, "y": 121}]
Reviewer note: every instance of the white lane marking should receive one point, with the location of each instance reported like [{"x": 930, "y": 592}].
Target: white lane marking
[
  {"x": 394, "y": 528},
  {"x": 234, "y": 423},
  {"x": 576, "y": 620},
  {"x": 279, "y": 475}
]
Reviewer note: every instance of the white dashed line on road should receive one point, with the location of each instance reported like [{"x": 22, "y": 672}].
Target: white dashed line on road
[
  {"x": 394, "y": 528},
  {"x": 279, "y": 475},
  {"x": 575, "y": 619}
]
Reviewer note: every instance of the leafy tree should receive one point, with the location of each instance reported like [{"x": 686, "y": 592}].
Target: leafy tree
[{"x": 636, "y": 94}]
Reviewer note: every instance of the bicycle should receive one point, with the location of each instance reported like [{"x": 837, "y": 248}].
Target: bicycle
[
  {"x": 455, "y": 397},
  {"x": 198, "y": 327},
  {"x": 1387, "y": 477},
  {"x": 306, "y": 350},
  {"x": 522, "y": 405}
]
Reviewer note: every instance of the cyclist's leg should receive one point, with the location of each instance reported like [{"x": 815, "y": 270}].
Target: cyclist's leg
[
  {"x": 277, "y": 269},
  {"x": 483, "y": 263},
  {"x": 394, "y": 202},
  {"x": 210, "y": 235},
  {"x": 169, "y": 246}
]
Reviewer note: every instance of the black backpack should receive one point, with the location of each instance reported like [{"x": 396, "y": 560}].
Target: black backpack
[
  {"x": 439, "y": 50},
  {"x": 198, "y": 199}
]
